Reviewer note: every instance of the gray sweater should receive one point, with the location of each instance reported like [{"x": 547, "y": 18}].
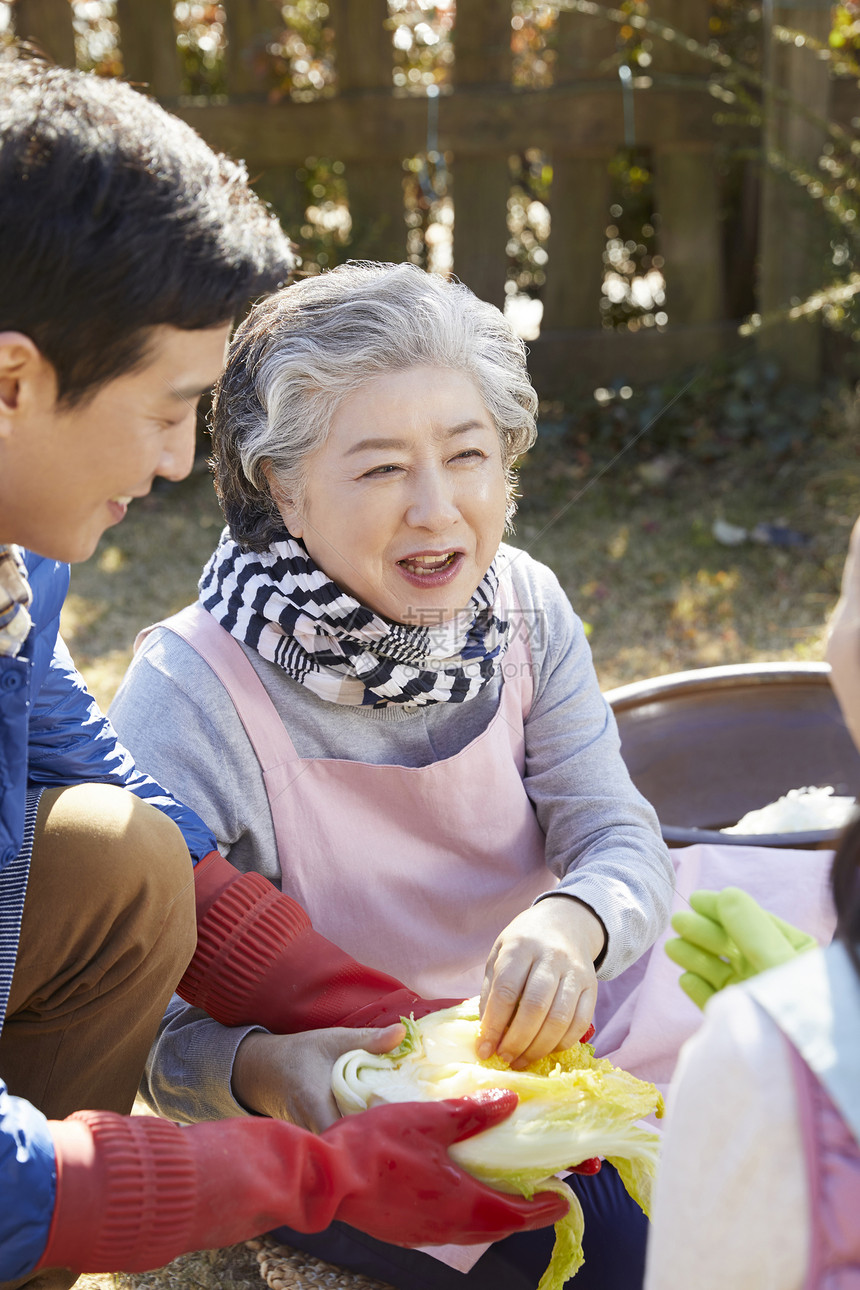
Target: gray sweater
[{"x": 602, "y": 838}]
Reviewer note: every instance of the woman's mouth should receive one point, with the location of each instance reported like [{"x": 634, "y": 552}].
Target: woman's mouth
[
  {"x": 431, "y": 569},
  {"x": 424, "y": 566}
]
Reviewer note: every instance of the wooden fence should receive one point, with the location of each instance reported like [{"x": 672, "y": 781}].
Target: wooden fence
[{"x": 579, "y": 123}]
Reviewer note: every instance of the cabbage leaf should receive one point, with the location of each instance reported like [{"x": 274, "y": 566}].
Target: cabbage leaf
[{"x": 572, "y": 1106}]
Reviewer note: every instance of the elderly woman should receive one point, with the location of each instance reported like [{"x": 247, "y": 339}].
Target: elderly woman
[{"x": 387, "y": 711}]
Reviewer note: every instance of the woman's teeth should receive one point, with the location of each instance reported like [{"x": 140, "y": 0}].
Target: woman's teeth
[
  {"x": 122, "y": 501},
  {"x": 420, "y": 565}
]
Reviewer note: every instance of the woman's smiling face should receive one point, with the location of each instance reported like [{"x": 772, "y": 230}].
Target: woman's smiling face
[{"x": 404, "y": 503}]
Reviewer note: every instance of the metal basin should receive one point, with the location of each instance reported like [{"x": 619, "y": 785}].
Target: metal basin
[{"x": 707, "y": 746}]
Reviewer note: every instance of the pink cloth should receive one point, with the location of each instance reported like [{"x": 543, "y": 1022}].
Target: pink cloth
[
  {"x": 412, "y": 870},
  {"x": 833, "y": 1176},
  {"x": 387, "y": 860},
  {"x": 643, "y": 1017}
]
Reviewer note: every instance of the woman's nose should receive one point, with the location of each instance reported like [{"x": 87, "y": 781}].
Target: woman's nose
[{"x": 432, "y": 504}]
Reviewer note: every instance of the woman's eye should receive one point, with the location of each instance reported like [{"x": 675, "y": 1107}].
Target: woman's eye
[
  {"x": 470, "y": 454},
  {"x": 379, "y": 472}
]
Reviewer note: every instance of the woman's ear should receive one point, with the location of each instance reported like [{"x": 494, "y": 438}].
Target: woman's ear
[{"x": 289, "y": 514}]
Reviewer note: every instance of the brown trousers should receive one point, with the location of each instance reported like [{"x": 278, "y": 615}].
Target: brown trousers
[{"x": 108, "y": 930}]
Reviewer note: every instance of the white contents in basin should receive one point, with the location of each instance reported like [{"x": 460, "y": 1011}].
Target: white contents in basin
[{"x": 802, "y": 810}]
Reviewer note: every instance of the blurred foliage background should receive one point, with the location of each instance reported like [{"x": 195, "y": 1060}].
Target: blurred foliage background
[{"x": 299, "y": 62}]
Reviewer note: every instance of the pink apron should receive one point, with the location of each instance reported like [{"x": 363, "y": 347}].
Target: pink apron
[{"x": 413, "y": 870}]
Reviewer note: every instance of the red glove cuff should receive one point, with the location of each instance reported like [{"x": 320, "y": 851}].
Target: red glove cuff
[
  {"x": 126, "y": 1193},
  {"x": 260, "y": 962},
  {"x": 239, "y": 937}
]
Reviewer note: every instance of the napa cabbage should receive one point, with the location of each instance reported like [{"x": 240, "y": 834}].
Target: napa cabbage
[{"x": 572, "y": 1106}]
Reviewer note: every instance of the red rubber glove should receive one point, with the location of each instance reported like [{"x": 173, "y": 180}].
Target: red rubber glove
[
  {"x": 133, "y": 1193},
  {"x": 260, "y": 962}
]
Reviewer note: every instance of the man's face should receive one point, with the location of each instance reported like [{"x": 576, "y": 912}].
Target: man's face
[{"x": 67, "y": 475}]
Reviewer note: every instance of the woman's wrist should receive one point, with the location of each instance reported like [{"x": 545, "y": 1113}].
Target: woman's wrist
[
  {"x": 588, "y": 926},
  {"x": 250, "y": 1080}
]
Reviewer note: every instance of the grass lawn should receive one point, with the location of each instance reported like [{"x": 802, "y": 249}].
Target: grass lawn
[{"x": 235, "y": 1268}]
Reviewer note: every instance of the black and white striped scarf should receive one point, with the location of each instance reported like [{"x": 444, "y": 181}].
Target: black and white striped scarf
[
  {"x": 280, "y": 603},
  {"x": 15, "y": 600}
]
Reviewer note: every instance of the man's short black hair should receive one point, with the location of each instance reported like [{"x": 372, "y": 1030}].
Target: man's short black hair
[{"x": 116, "y": 217}]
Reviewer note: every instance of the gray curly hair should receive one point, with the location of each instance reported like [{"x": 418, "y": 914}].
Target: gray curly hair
[{"x": 299, "y": 353}]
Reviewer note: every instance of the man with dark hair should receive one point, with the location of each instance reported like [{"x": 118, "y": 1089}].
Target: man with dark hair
[{"x": 127, "y": 248}]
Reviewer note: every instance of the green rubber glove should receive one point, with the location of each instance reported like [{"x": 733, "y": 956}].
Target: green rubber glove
[{"x": 728, "y": 937}]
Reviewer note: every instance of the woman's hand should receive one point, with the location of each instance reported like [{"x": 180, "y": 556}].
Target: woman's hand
[
  {"x": 288, "y": 1077},
  {"x": 843, "y": 640},
  {"x": 540, "y": 986}
]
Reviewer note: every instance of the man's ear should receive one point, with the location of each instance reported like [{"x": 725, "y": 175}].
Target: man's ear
[
  {"x": 289, "y": 514},
  {"x": 27, "y": 379}
]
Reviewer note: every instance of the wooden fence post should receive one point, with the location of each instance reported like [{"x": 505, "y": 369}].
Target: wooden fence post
[
  {"x": 792, "y": 239},
  {"x": 482, "y": 184},
  {"x": 375, "y": 188},
  {"x": 250, "y": 28},
  {"x": 147, "y": 41},
  {"x": 48, "y": 24},
  {"x": 580, "y": 195},
  {"x": 686, "y": 187}
]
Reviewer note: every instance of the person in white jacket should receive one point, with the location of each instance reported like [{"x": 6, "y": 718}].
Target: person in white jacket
[{"x": 759, "y": 1181}]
